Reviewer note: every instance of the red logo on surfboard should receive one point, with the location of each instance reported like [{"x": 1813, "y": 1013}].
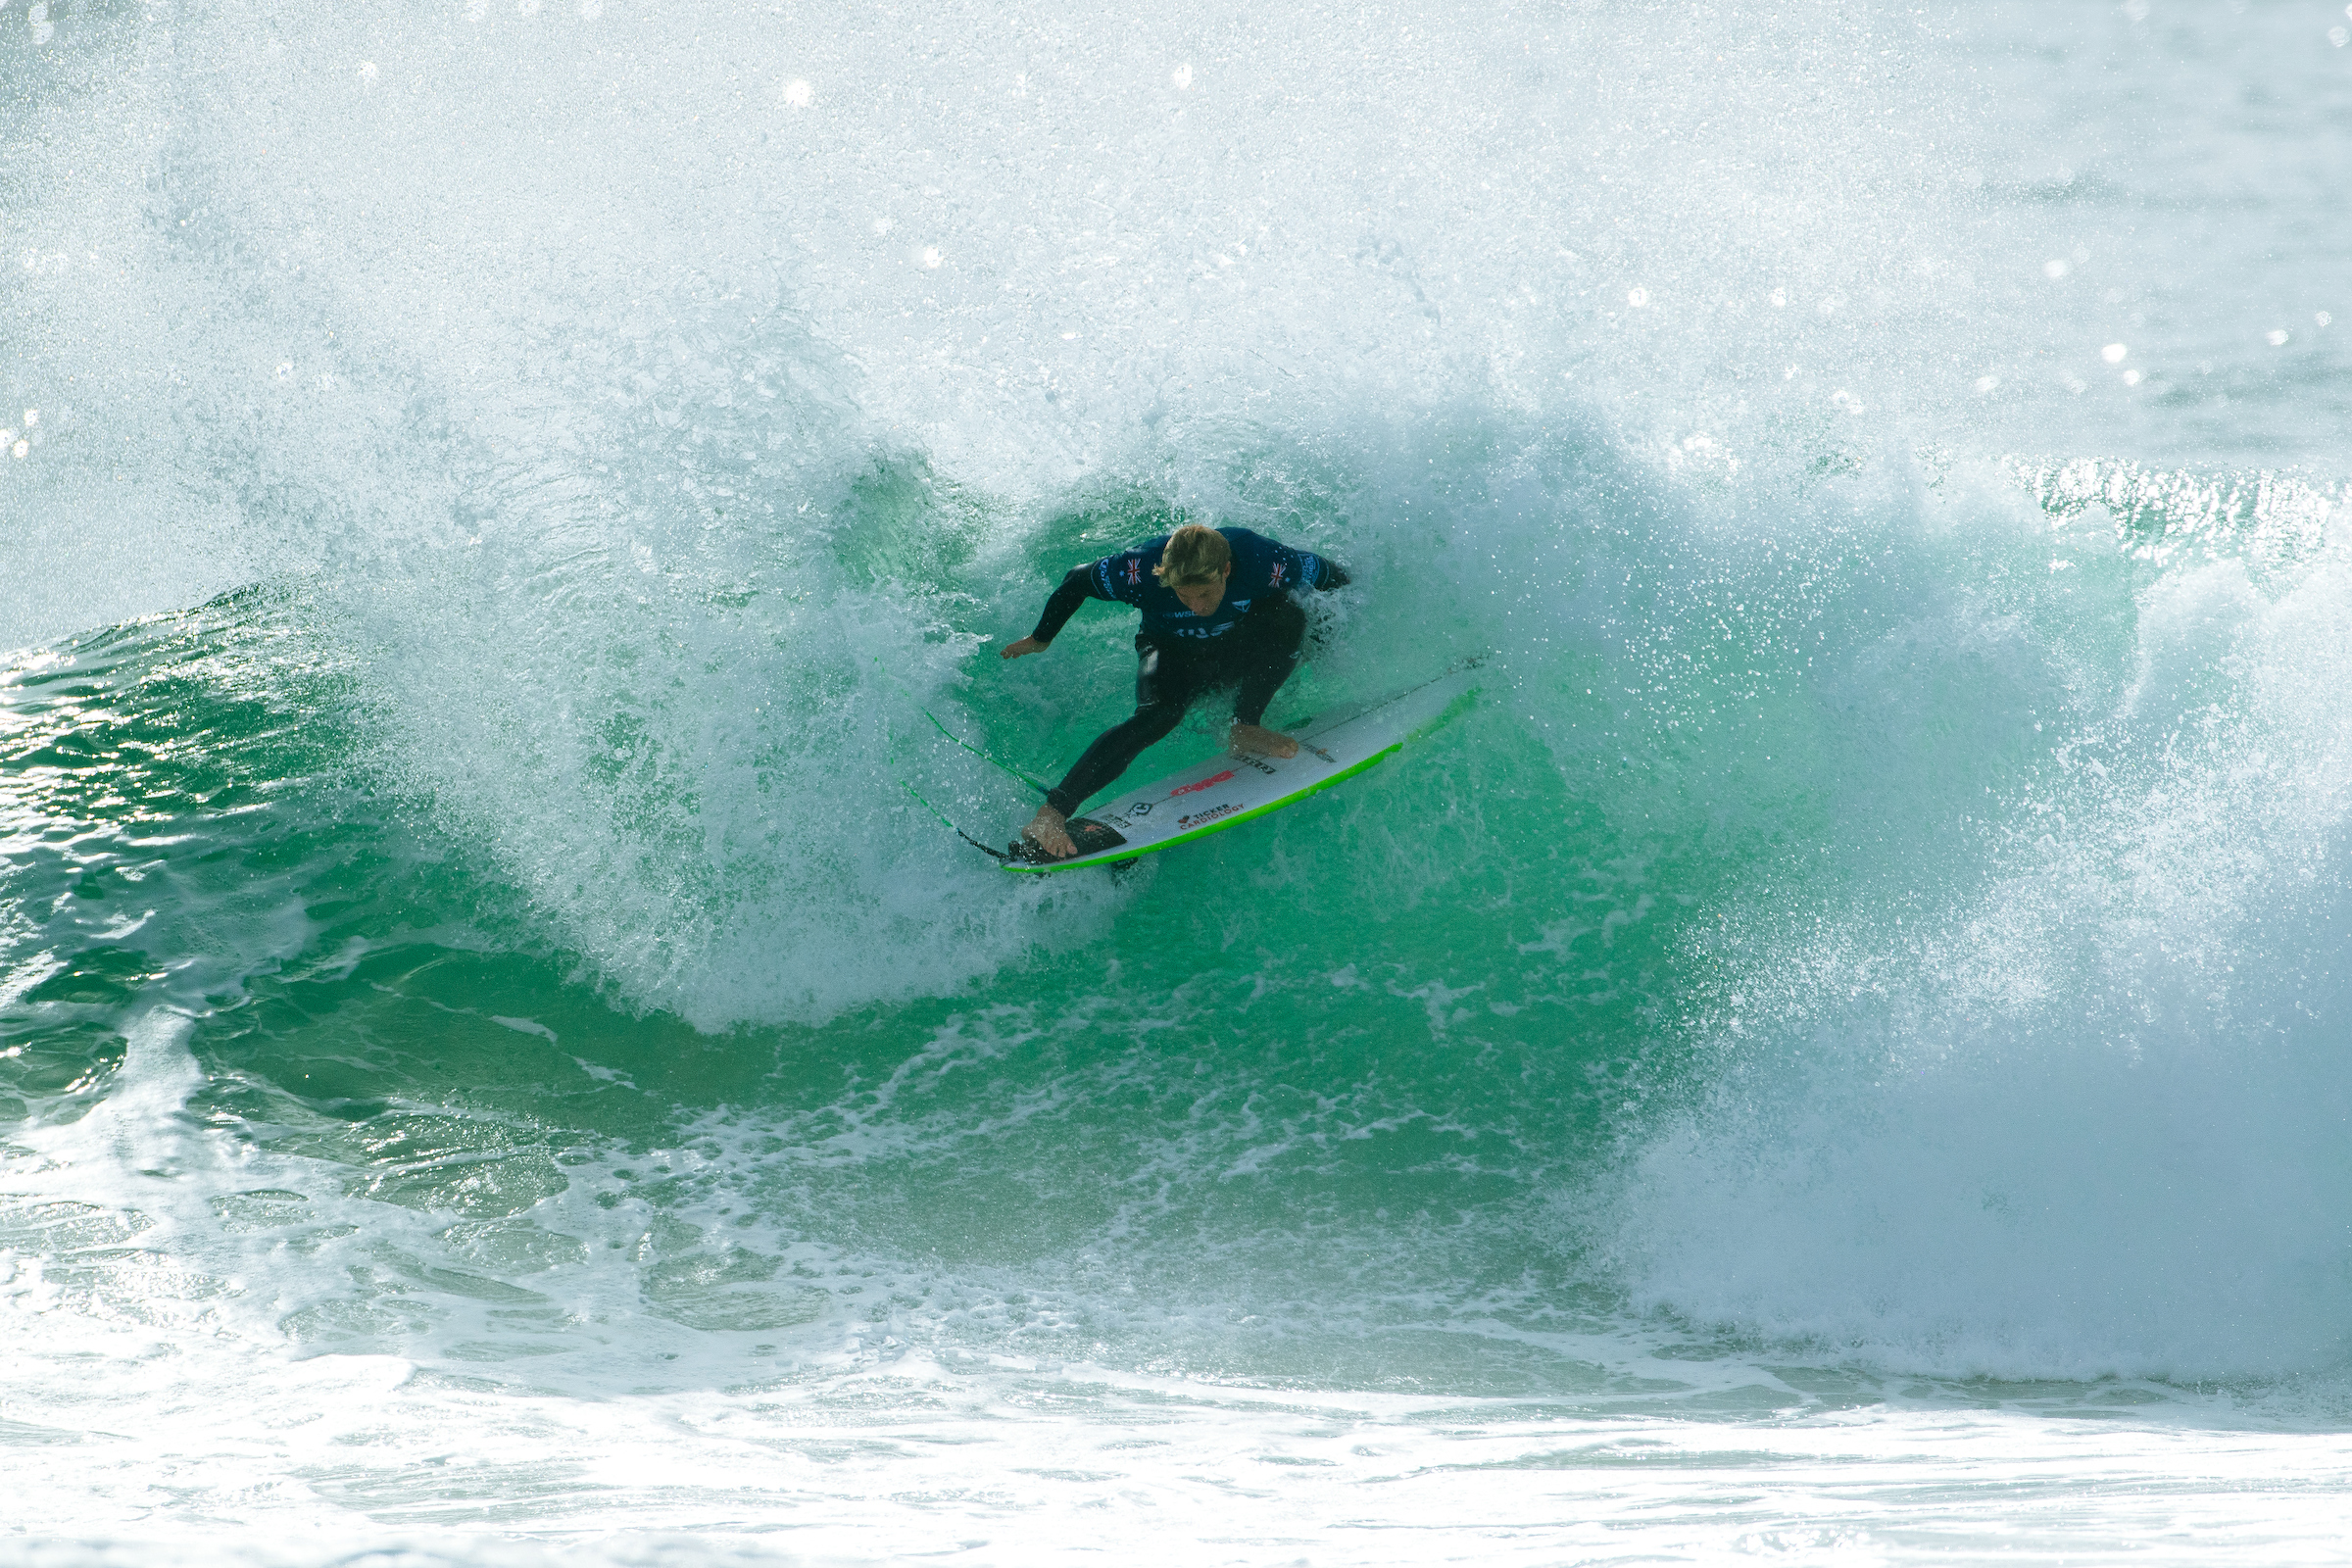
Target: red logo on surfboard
[{"x": 1189, "y": 789}]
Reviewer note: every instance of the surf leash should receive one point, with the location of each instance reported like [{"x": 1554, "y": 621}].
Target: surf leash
[
  {"x": 950, "y": 825},
  {"x": 992, "y": 761}
]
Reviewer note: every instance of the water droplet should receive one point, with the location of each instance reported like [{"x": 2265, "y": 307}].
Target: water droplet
[
  {"x": 1986, "y": 383},
  {"x": 799, "y": 94},
  {"x": 2276, "y": 339},
  {"x": 1637, "y": 298},
  {"x": 2114, "y": 353},
  {"x": 931, "y": 256},
  {"x": 1182, "y": 76}
]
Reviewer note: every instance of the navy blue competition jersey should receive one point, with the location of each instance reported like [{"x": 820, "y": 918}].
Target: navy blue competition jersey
[{"x": 1263, "y": 570}]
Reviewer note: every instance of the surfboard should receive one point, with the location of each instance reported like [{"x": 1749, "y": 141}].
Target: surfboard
[{"x": 1233, "y": 787}]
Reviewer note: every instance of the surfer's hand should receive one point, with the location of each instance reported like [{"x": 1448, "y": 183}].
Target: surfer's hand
[
  {"x": 1266, "y": 742},
  {"x": 1027, "y": 645}
]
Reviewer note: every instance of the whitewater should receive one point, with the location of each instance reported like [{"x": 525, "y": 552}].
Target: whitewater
[{"x": 1841, "y": 1053}]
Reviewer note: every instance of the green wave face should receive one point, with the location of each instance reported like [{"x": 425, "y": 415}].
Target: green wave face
[{"x": 650, "y": 988}]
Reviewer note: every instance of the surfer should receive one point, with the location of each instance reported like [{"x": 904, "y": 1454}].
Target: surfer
[{"x": 1217, "y": 611}]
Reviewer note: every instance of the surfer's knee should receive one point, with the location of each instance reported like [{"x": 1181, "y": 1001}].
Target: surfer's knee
[
  {"x": 1155, "y": 718},
  {"x": 1283, "y": 622}
]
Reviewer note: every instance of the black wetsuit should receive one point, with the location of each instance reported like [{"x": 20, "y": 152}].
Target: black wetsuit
[{"x": 1251, "y": 642}]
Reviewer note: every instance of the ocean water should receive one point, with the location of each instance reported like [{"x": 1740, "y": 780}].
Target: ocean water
[{"x": 1841, "y": 1057}]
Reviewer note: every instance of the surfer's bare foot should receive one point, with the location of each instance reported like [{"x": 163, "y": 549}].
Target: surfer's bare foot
[
  {"x": 1267, "y": 742},
  {"x": 1045, "y": 830}
]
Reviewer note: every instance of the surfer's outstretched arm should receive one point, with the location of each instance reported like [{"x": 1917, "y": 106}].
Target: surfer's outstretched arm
[{"x": 1075, "y": 590}]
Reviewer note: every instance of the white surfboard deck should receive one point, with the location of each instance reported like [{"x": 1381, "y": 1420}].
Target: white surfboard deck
[{"x": 1233, "y": 787}]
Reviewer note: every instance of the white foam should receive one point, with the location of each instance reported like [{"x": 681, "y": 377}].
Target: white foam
[
  {"x": 1005, "y": 1465},
  {"x": 2080, "y": 1118}
]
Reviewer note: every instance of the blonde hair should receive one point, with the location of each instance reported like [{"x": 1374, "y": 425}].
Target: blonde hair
[{"x": 1195, "y": 557}]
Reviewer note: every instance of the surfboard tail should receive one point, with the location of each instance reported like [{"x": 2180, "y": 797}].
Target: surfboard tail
[{"x": 1090, "y": 837}]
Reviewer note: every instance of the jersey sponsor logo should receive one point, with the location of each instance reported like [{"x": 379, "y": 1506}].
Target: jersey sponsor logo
[
  {"x": 1195, "y": 789},
  {"x": 1139, "y": 810},
  {"x": 1218, "y": 630},
  {"x": 1210, "y": 815}
]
